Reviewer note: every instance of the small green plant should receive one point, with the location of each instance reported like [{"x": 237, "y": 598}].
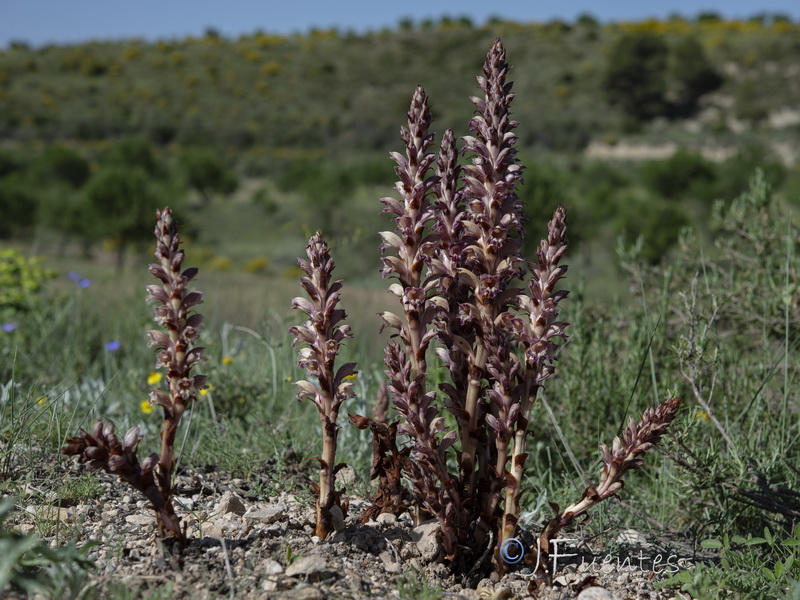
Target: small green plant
[
  {"x": 30, "y": 565},
  {"x": 21, "y": 281},
  {"x": 756, "y": 568},
  {"x": 84, "y": 487},
  {"x": 412, "y": 586}
]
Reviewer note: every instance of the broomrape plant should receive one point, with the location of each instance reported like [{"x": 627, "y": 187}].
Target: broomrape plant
[
  {"x": 321, "y": 336},
  {"x": 176, "y": 353},
  {"x": 456, "y": 454},
  {"x": 455, "y": 256}
]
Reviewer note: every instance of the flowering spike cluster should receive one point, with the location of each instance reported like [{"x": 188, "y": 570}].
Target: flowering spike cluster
[
  {"x": 491, "y": 238},
  {"x": 537, "y": 330},
  {"x": 410, "y": 240},
  {"x": 102, "y": 451},
  {"x": 173, "y": 311},
  {"x": 624, "y": 455},
  {"x": 178, "y": 355},
  {"x": 494, "y": 220},
  {"x": 321, "y": 337}
]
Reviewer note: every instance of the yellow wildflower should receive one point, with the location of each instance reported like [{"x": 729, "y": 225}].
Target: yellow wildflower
[
  {"x": 154, "y": 378},
  {"x": 146, "y": 407},
  {"x": 41, "y": 400},
  {"x": 701, "y": 415},
  {"x": 227, "y": 360},
  {"x": 205, "y": 391},
  {"x": 352, "y": 377}
]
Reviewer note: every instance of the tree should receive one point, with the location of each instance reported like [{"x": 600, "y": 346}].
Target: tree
[
  {"x": 634, "y": 77},
  {"x": 206, "y": 173},
  {"x": 62, "y": 165},
  {"x": 692, "y": 74},
  {"x": 134, "y": 151},
  {"x": 119, "y": 203},
  {"x": 17, "y": 205}
]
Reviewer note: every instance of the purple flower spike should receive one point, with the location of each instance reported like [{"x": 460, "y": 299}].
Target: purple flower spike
[
  {"x": 113, "y": 346},
  {"x": 8, "y": 327}
]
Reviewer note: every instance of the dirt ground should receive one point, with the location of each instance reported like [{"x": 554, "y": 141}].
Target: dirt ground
[{"x": 244, "y": 544}]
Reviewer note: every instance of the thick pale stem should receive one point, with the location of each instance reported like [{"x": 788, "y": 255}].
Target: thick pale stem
[
  {"x": 514, "y": 485},
  {"x": 469, "y": 431}
]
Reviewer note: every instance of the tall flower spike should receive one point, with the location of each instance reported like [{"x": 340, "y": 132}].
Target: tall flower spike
[
  {"x": 537, "y": 329},
  {"x": 321, "y": 336},
  {"x": 175, "y": 350},
  {"x": 625, "y": 455},
  {"x": 492, "y": 238},
  {"x": 407, "y": 364},
  {"x": 177, "y": 354}
]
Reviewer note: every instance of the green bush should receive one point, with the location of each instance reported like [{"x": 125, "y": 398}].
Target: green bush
[
  {"x": 659, "y": 224},
  {"x": 634, "y": 77},
  {"x": 684, "y": 174},
  {"x": 21, "y": 280},
  {"x": 62, "y": 165},
  {"x": 691, "y": 73},
  {"x": 735, "y": 173},
  {"x": 119, "y": 203},
  {"x": 206, "y": 173},
  {"x": 134, "y": 152},
  {"x": 17, "y": 205}
]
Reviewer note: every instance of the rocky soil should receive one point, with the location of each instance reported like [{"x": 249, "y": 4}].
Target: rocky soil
[{"x": 246, "y": 545}]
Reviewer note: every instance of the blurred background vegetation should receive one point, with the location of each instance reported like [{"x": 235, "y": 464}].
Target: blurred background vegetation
[
  {"x": 260, "y": 140},
  {"x": 682, "y": 266}
]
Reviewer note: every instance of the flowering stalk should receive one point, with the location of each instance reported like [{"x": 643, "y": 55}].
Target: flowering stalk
[
  {"x": 321, "y": 336},
  {"x": 492, "y": 239},
  {"x": 407, "y": 364},
  {"x": 537, "y": 329},
  {"x": 177, "y": 354},
  {"x": 625, "y": 455}
]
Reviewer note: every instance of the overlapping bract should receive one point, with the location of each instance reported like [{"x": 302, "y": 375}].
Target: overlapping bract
[
  {"x": 320, "y": 338},
  {"x": 456, "y": 257},
  {"x": 176, "y": 353}
]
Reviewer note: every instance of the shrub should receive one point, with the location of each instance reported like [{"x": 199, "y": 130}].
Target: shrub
[
  {"x": 21, "y": 280},
  {"x": 206, "y": 173},
  {"x": 18, "y": 205},
  {"x": 118, "y": 202},
  {"x": 682, "y": 174},
  {"x": 634, "y": 77},
  {"x": 691, "y": 73},
  {"x": 63, "y": 165}
]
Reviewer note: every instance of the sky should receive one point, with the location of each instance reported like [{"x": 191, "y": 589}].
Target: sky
[{"x": 39, "y": 22}]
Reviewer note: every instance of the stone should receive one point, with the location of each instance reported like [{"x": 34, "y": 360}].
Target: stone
[
  {"x": 387, "y": 518},
  {"x": 185, "y": 502},
  {"x": 303, "y": 593},
  {"x": 271, "y": 514},
  {"x": 426, "y": 539},
  {"x": 597, "y": 593},
  {"x": 311, "y": 568},
  {"x": 347, "y": 475},
  {"x": 230, "y": 503},
  {"x": 139, "y": 520},
  {"x": 337, "y": 518},
  {"x": 272, "y": 567},
  {"x": 631, "y": 537}
]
